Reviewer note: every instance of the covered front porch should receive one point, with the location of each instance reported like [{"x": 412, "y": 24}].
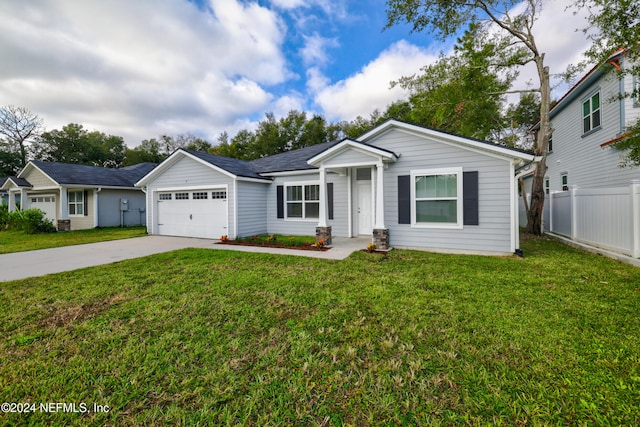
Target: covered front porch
[{"x": 363, "y": 166}]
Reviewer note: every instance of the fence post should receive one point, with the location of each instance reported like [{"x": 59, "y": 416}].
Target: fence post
[
  {"x": 551, "y": 193},
  {"x": 635, "y": 217},
  {"x": 574, "y": 212}
]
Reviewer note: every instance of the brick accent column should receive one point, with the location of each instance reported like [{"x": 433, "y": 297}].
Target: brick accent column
[
  {"x": 381, "y": 239},
  {"x": 324, "y": 234},
  {"x": 64, "y": 225}
]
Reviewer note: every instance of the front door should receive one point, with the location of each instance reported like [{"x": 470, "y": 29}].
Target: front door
[{"x": 364, "y": 207}]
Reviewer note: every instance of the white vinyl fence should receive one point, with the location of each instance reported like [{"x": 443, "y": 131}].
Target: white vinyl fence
[{"x": 608, "y": 218}]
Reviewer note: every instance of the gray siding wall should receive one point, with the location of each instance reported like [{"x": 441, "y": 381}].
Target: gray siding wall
[
  {"x": 493, "y": 234},
  {"x": 252, "y": 207},
  {"x": 187, "y": 172},
  {"x": 587, "y": 164},
  {"x": 308, "y": 228},
  {"x": 350, "y": 157},
  {"x": 109, "y": 208}
]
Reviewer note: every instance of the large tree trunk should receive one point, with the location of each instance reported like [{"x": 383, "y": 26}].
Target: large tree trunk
[{"x": 534, "y": 214}]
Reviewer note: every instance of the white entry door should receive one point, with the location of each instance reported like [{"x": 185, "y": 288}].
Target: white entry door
[
  {"x": 201, "y": 213},
  {"x": 363, "y": 207}
]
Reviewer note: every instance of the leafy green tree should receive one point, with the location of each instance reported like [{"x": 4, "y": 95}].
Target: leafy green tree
[
  {"x": 519, "y": 119},
  {"x": 149, "y": 150},
  {"x": 461, "y": 93},
  {"x": 517, "y": 48},
  {"x": 74, "y": 144},
  {"x": 10, "y": 162}
]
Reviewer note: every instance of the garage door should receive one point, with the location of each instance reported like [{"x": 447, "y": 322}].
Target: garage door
[
  {"x": 46, "y": 203},
  {"x": 201, "y": 213}
]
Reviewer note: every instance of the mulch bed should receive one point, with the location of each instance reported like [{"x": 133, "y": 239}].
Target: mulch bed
[{"x": 309, "y": 247}]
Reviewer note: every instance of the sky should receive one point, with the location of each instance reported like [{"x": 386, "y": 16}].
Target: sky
[{"x": 145, "y": 68}]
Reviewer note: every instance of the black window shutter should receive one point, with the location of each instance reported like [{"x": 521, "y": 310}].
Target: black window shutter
[
  {"x": 330, "y": 199},
  {"x": 86, "y": 203},
  {"x": 470, "y": 197},
  {"x": 280, "y": 195},
  {"x": 404, "y": 199}
]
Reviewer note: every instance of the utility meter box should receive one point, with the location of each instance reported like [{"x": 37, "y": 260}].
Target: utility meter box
[{"x": 124, "y": 204}]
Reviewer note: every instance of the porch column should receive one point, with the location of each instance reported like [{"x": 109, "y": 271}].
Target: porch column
[
  {"x": 64, "y": 223},
  {"x": 25, "y": 203},
  {"x": 323, "y": 232},
  {"x": 380, "y": 236},
  {"x": 12, "y": 201},
  {"x": 379, "y": 221},
  {"x": 322, "y": 217}
]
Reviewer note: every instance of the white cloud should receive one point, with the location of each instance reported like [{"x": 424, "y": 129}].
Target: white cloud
[
  {"x": 369, "y": 89},
  {"x": 314, "y": 51},
  {"x": 139, "y": 69}
]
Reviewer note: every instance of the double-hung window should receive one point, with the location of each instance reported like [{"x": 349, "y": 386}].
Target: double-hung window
[
  {"x": 437, "y": 198},
  {"x": 76, "y": 202},
  {"x": 591, "y": 113},
  {"x": 303, "y": 201}
]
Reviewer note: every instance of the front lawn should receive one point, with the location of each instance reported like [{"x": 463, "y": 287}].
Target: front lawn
[
  {"x": 17, "y": 241},
  {"x": 207, "y": 337}
]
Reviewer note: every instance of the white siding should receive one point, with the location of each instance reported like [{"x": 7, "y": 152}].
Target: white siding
[
  {"x": 582, "y": 158},
  {"x": 493, "y": 234}
]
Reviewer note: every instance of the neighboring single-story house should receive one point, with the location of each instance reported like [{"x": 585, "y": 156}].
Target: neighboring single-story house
[
  {"x": 403, "y": 185},
  {"x": 77, "y": 197}
]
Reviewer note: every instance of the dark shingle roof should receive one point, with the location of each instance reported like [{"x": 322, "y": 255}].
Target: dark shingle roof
[
  {"x": 234, "y": 166},
  {"x": 71, "y": 174},
  {"x": 20, "y": 182},
  {"x": 291, "y": 160}
]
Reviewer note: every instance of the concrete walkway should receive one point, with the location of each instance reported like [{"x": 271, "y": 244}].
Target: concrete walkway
[{"x": 22, "y": 265}]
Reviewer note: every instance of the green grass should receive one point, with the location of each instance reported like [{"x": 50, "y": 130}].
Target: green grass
[
  {"x": 206, "y": 337},
  {"x": 17, "y": 241}
]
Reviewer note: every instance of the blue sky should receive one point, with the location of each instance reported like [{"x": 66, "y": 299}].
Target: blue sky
[{"x": 143, "y": 68}]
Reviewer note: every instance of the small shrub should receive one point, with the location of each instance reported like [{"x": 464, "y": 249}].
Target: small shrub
[
  {"x": 224, "y": 238},
  {"x": 4, "y": 216},
  {"x": 31, "y": 221},
  {"x": 371, "y": 247},
  {"x": 320, "y": 244}
]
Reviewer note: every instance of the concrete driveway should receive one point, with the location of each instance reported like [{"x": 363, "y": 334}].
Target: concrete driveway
[{"x": 22, "y": 265}]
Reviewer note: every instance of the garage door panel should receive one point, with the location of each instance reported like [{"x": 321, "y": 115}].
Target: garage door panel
[
  {"x": 193, "y": 214},
  {"x": 46, "y": 203}
]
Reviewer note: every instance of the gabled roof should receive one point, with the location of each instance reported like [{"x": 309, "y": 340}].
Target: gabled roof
[
  {"x": 18, "y": 182},
  {"x": 234, "y": 166},
  {"x": 291, "y": 160},
  {"x": 83, "y": 175},
  {"x": 448, "y": 137},
  {"x": 347, "y": 144}
]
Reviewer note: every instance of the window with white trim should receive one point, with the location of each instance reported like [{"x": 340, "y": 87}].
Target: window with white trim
[
  {"x": 546, "y": 185},
  {"x": 591, "y": 113},
  {"x": 436, "y": 198},
  {"x": 565, "y": 181},
  {"x": 182, "y": 196},
  {"x": 303, "y": 201},
  {"x": 219, "y": 194},
  {"x": 164, "y": 196},
  {"x": 76, "y": 202}
]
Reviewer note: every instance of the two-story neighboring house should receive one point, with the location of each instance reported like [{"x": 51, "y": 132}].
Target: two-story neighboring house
[
  {"x": 590, "y": 197},
  {"x": 586, "y": 122}
]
